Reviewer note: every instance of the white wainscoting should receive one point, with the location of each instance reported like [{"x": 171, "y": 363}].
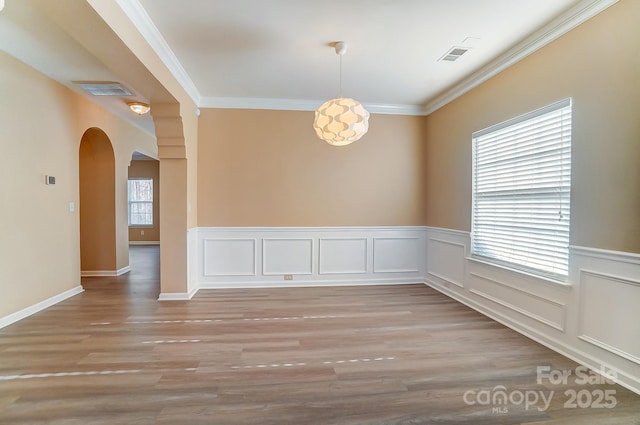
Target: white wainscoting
[
  {"x": 608, "y": 305},
  {"x": 591, "y": 318},
  {"x": 313, "y": 256}
]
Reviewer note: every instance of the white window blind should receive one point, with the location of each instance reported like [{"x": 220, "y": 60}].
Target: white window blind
[
  {"x": 521, "y": 191},
  {"x": 140, "y": 194}
]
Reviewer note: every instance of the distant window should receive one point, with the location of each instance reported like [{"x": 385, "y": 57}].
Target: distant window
[
  {"x": 140, "y": 196},
  {"x": 521, "y": 191}
]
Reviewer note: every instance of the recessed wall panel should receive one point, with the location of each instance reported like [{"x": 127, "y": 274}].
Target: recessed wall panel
[
  {"x": 396, "y": 255},
  {"x": 609, "y": 313},
  {"x": 287, "y": 256},
  {"x": 446, "y": 261},
  {"x": 348, "y": 255},
  {"x": 229, "y": 257}
]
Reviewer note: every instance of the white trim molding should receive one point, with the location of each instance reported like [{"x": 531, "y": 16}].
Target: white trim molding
[
  {"x": 308, "y": 105},
  {"x": 105, "y": 273},
  {"x": 35, "y": 308},
  {"x": 143, "y": 23}
]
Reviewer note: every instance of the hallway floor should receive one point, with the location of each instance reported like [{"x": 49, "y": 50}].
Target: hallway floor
[{"x": 401, "y": 354}]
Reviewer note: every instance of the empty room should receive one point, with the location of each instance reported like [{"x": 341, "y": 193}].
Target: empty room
[{"x": 340, "y": 212}]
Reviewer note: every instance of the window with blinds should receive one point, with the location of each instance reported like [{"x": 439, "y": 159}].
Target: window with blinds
[
  {"x": 521, "y": 191},
  {"x": 140, "y": 200}
]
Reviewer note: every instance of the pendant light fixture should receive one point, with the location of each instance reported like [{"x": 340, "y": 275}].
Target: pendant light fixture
[{"x": 342, "y": 120}]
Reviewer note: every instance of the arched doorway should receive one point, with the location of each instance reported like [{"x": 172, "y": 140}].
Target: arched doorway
[{"x": 97, "y": 205}]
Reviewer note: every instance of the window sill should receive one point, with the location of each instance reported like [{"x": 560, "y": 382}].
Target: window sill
[{"x": 546, "y": 279}]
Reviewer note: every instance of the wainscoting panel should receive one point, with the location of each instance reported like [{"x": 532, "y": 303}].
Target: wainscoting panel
[
  {"x": 229, "y": 257},
  {"x": 543, "y": 310},
  {"x": 396, "y": 255},
  {"x": 343, "y": 256},
  {"x": 287, "y": 256},
  {"x": 265, "y": 256},
  {"x": 446, "y": 260},
  {"x": 609, "y": 314}
]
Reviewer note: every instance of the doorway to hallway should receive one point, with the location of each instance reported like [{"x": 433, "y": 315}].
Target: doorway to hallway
[{"x": 141, "y": 283}]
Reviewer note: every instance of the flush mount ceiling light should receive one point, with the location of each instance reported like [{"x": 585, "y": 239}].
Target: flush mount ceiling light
[
  {"x": 343, "y": 120},
  {"x": 139, "y": 107}
]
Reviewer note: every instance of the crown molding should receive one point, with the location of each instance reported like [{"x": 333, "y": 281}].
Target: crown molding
[
  {"x": 300, "y": 105},
  {"x": 564, "y": 23},
  {"x": 143, "y": 23}
]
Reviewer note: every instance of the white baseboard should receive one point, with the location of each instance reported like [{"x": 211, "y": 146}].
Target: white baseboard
[
  {"x": 144, "y": 242},
  {"x": 177, "y": 296},
  {"x": 308, "y": 283},
  {"x": 26, "y": 312},
  {"x": 105, "y": 273}
]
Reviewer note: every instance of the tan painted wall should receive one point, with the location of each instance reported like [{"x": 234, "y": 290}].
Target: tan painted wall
[
  {"x": 41, "y": 125},
  {"x": 268, "y": 168},
  {"x": 97, "y": 205},
  {"x": 148, "y": 170},
  {"x": 597, "y": 64}
]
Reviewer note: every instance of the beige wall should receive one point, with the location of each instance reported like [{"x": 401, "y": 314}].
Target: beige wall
[
  {"x": 97, "y": 206},
  {"x": 147, "y": 170},
  {"x": 41, "y": 125},
  {"x": 268, "y": 168},
  {"x": 598, "y": 66}
]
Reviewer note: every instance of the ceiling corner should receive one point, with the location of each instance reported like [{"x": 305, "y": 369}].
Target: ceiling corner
[{"x": 574, "y": 16}]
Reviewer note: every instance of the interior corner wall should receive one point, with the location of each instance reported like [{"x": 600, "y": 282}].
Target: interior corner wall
[
  {"x": 597, "y": 66},
  {"x": 268, "y": 168},
  {"x": 41, "y": 125},
  {"x": 148, "y": 170}
]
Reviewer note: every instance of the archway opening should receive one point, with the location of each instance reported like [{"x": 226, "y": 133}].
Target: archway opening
[{"x": 97, "y": 204}]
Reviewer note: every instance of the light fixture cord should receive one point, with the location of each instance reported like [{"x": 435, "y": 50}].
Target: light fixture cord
[{"x": 340, "y": 93}]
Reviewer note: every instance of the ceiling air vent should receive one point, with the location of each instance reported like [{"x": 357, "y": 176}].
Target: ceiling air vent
[
  {"x": 104, "y": 88},
  {"x": 454, "y": 53}
]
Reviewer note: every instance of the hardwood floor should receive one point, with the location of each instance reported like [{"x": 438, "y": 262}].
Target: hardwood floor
[{"x": 402, "y": 354}]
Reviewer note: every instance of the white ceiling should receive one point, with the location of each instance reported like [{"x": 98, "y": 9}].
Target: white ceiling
[
  {"x": 237, "y": 50},
  {"x": 275, "y": 53}
]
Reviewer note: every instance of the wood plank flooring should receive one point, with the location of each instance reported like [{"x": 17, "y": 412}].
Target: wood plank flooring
[{"x": 402, "y": 354}]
